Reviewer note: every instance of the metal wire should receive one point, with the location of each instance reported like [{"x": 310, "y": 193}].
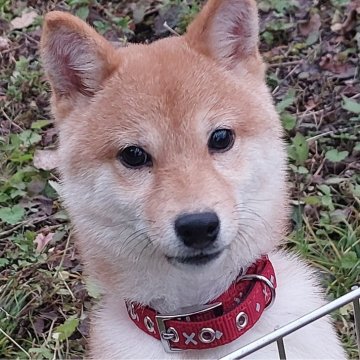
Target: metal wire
[
  {"x": 278, "y": 334},
  {"x": 356, "y": 306},
  {"x": 281, "y": 348}
]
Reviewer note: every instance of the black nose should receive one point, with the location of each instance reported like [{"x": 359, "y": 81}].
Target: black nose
[{"x": 198, "y": 230}]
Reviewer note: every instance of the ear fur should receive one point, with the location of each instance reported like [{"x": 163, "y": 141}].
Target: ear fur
[
  {"x": 77, "y": 60},
  {"x": 227, "y": 31}
]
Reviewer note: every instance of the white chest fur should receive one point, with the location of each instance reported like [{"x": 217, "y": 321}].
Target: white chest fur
[{"x": 116, "y": 337}]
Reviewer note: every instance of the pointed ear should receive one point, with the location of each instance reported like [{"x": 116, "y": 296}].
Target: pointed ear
[
  {"x": 227, "y": 31},
  {"x": 76, "y": 59}
]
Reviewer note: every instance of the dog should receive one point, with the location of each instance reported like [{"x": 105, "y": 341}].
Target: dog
[{"x": 174, "y": 175}]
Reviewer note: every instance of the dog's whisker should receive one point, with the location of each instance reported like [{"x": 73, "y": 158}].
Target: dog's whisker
[
  {"x": 140, "y": 242},
  {"x": 251, "y": 212},
  {"x": 149, "y": 243},
  {"x": 126, "y": 222},
  {"x": 133, "y": 237}
]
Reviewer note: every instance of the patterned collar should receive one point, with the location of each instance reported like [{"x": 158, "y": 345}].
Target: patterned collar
[{"x": 218, "y": 323}]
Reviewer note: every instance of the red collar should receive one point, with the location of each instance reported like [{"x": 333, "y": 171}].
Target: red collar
[{"x": 222, "y": 321}]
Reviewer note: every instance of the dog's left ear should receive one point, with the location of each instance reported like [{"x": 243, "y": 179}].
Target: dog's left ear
[
  {"x": 77, "y": 61},
  {"x": 228, "y": 32}
]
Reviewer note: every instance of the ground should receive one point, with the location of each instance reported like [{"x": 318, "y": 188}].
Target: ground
[{"x": 312, "y": 48}]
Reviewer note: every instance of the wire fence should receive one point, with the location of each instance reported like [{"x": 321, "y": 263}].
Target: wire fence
[{"x": 279, "y": 334}]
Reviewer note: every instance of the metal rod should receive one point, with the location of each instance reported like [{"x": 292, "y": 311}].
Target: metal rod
[
  {"x": 356, "y": 306},
  {"x": 293, "y": 326},
  {"x": 281, "y": 348}
]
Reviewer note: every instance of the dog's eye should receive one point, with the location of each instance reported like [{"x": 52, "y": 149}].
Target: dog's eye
[
  {"x": 221, "y": 140},
  {"x": 134, "y": 157}
]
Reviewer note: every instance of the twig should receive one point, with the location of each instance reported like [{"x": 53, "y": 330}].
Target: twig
[
  {"x": 317, "y": 172},
  {"x": 5, "y": 233},
  {"x": 289, "y": 74},
  {"x": 15, "y": 343},
  {"x": 63, "y": 256},
  {"x": 67, "y": 286},
  {"x": 24, "y": 223},
  {"x": 320, "y": 135},
  {"x": 167, "y": 27},
  {"x": 29, "y": 37},
  {"x": 286, "y": 63},
  {"x": 10, "y": 121},
  {"x": 6, "y": 313},
  {"x": 331, "y": 132},
  {"x": 48, "y": 338},
  {"x": 3, "y": 52}
]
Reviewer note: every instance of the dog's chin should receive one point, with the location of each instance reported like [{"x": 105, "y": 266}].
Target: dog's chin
[{"x": 195, "y": 260}]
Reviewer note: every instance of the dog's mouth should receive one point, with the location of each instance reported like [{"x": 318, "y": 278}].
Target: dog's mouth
[{"x": 200, "y": 259}]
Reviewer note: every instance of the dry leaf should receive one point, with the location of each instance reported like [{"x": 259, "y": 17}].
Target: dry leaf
[
  {"x": 4, "y": 43},
  {"x": 24, "y": 20},
  {"x": 337, "y": 27},
  {"x": 42, "y": 240},
  {"x": 38, "y": 326},
  {"x": 333, "y": 64},
  {"x": 56, "y": 186},
  {"x": 313, "y": 25},
  {"x": 45, "y": 159},
  {"x": 354, "y": 5},
  {"x": 350, "y": 22}
]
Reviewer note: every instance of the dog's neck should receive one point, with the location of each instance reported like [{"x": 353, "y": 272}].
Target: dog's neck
[{"x": 166, "y": 288}]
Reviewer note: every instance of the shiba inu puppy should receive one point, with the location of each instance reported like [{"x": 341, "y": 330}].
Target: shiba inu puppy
[{"x": 173, "y": 173}]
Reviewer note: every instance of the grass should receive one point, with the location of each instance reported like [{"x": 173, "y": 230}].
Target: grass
[{"x": 313, "y": 56}]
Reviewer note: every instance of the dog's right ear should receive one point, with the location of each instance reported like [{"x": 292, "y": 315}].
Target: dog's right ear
[
  {"x": 228, "y": 32},
  {"x": 77, "y": 60}
]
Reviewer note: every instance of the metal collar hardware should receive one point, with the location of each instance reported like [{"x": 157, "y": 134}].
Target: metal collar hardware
[
  {"x": 168, "y": 336},
  {"x": 232, "y": 314},
  {"x": 266, "y": 281}
]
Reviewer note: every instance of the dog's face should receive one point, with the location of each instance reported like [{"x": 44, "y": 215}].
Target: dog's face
[{"x": 171, "y": 153}]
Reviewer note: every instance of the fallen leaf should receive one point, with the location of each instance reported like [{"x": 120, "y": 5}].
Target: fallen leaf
[
  {"x": 350, "y": 105},
  {"x": 311, "y": 26},
  {"x": 56, "y": 186},
  {"x": 310, "y": 105},
  {"x": 138, "y": 11},
  {"x": 49, "y": 136},
  {"x": 42, "y": 240},
  {"x": 84, "y": 327},
  {"x": 24, "y": 20},
  {"x": 4, "y": 43},
  {"x": 354, "y": 5},
  {"x": 339, "y": 215},
  {"x": 337, "y": 27},
  {"x": 38, "y": 326},
  {"x": 45, "y": 159},
  {"x": 350, "y": 22},
  {"x": 334, "y": 65},
  {"x": 36, "y": 186}
]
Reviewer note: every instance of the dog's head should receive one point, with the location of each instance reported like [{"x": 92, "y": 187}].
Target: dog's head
[{"x": 171, "y": 153}]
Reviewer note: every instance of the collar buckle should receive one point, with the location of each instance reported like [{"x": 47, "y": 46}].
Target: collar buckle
[
  {"x": 169, "y": 335},
  {"x": 266, "y": 281}
]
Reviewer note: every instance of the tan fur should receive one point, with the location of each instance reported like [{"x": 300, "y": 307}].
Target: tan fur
[
  {"x": 72, "y": 49},
  {"x": 168, "y": 97}
]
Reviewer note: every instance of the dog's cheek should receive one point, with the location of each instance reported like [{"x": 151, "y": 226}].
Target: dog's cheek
[
  {"x": 96, "y": 199},
  {"x": 258, "y": 185}
]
